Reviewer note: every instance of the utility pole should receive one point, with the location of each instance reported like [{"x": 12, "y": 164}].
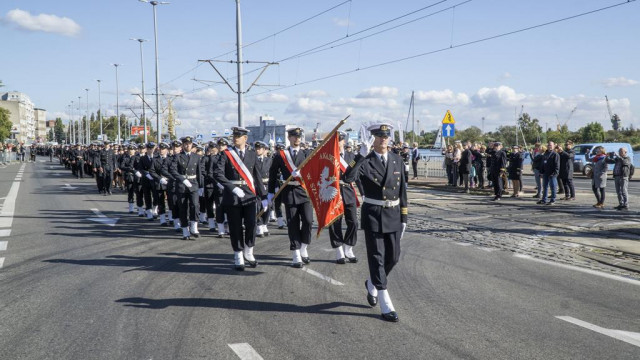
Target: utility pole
[
  {"x": 80, "y": 127},
  {"x": 143, "y": 102},
  {"x": 413, "y": 117},
  {"x": 100, "y": 112},
  {"x": 118, "y": 103},
  {"x": 88, "y": 119},
  {"x": 239, "y": 62}
]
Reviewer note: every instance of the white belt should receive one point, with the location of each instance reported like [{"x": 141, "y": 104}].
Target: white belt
[
  {"x": 265, "y": 180},
  {"x": 385, "y": 203},
  {"x": 238, "y": 182},
  {"x": 345, "y": 183},
  {"x": 190, "y": 177},
  {"x": 294, "y": 183}
]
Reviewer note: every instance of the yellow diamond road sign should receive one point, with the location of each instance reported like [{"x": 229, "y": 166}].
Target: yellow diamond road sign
[{"x": 448, "y": 118}]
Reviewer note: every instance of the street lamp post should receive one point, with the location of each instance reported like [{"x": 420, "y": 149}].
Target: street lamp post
[
  {"x": 239, "y": 55},
  {"x": 144, "y": 125},
  {"x": 155, "y": 34},
  {"x": 100, "y": 111},
  {"x": 88, "y": 119},
  {"x": 80, "y": 136},
  {"x": 118, "y": 102}
]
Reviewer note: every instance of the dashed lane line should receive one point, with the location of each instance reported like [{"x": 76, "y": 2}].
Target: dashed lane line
[
  {"x": 7, "y": 210},
  {"x": 323, "y": 277},
  {"x": 587, "y": 271},
  {"x": 245, "y": 351},
  {"x": 632, "y": 338},
  {"x": 3, "y": 245}
]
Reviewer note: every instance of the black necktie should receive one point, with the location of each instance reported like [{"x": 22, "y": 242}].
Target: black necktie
[
  {"x": 295, "y": 152},
  {"x": 242, "y": 155},
  {"x": 384, "y": 163}
]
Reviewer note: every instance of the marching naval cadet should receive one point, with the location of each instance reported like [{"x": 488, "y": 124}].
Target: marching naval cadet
[
  {"x": 137, "y": 181},
  {"x": 78, "y": 157},
  {"x": 161, "y": 179},
  {"x": 148, "y": 184},
  {"x": 297, "y": 204},
  {"x": 187, "y": 171},
  {"x": 202, "y": 210},
  {"x": 384, "y": 212},
  {"x": 344, "y": 243},
  {"x": 172, "y": 194},
  {"x": 210, "y": 185},
  {"x": 219, "y": 190},
  {"x": 128, "y": 170},
  {"x": 277, "y": 204},
  {"x": 106, "y": 165},
  {"x": 237, "y": 172},
  {"x": 95, "y": 159},
  {"x": 263, "y": 163}
]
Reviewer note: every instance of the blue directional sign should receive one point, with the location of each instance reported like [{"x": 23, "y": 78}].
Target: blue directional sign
[
  {"x": 448, "y": 130},
  {"x": 213, "y": 133},
  {"x": 199, "y": 136}
]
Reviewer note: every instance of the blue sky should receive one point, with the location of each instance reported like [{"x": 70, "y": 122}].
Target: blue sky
[{"x": 52, "y": 51}]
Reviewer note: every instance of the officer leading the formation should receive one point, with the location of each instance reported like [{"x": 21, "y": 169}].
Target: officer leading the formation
[
  {"x": 236, "y": 171},
  {"x": 384, "y": 212}
]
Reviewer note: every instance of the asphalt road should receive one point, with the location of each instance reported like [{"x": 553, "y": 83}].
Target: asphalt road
[
  {"x": 74, "y": 288},
  {"x": 584, "y": 184}
]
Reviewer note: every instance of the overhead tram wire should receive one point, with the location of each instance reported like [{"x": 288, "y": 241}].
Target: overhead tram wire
[
  {"x": 627, "y": 2},
  {"x": 262, "y": 39}
]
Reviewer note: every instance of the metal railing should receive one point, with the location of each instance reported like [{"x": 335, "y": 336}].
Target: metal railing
[{"x": 431, "y": 166}]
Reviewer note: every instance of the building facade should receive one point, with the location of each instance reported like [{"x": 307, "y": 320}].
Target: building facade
[
  {"x": 269, "y": 131},
  {"x": 40, "y": 118},
  {"x": 22, "y": 115}
]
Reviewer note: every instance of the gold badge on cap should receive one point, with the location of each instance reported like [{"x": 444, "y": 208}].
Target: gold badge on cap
[{"x": 384, "y": 128}]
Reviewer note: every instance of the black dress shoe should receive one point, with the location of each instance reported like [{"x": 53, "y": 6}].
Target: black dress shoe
[
  {"x": 280, "y": 227},
  {"x": 239, "y": 267},
  {"x": 164, "y": 224},
  {"x": 341, "y": 261},
  {"x": 178, "y": 230},
  {"x": 352, "y": 259},
  {"x": 185, "y": 238},
  {"x": 390, "y": 316},
  {"x": 266, "y": 233},
  {"x": 306, "y": 260},
  {"x": 252, "y": 264},
  {"x": 297, "y": 265},
  {"x": 195, "y": 235},
  {"x": 213, "y": 230},
  {"x": 260, "y": 235},
  {"x": 372, "y": 300},
  {"x": 220, "y": 236}
]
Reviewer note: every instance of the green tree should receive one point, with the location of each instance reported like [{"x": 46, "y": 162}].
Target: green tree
[
  {"x": 530, "y": 128},
  {"x": 592, "y": 132},
  {"x": 50, "y": 135},
  {"x": 5, "y": 124},
  {"x": 58, "y": 130},
  {"x": 472, "y": 134}
]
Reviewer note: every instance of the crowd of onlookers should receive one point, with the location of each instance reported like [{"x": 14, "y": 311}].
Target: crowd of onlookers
[{"x": 473, "y": 165}]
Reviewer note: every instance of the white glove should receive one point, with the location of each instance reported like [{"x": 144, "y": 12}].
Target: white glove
[
  {"x": 138, "y": 174},
  {"x": 187, "y": 183},
  {"x": 163, "y": 181},
  {"x": 220, "y": 186},
  {"x": 270, "y": 197},
  {"x": 149, "y": 177},
  {"x": 201, "y": 192},
  {"x": 238, "y": 192},
  {"x": 404, "y": 227},
  {"x": 265, "y": 204},
  {"x": 296, "y": 173},
  {"x": 365, "y": 147}
]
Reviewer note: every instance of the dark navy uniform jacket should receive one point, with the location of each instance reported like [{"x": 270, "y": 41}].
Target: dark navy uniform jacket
[
  {"x": 346, "y": 190},
  {"x": 157, "y": 172},
  {"x": 187, "y": 165},
  {"x": 264, "y": 164},
  {"x": 291, "y": 194},
  {"x": 107, "y": 160},
  {"x": 224, "y": 172},
  {"x": 382, "y": 185}
]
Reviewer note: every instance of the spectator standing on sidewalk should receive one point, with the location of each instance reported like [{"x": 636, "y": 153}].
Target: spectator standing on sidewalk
[
  {"x": 498, "y": 168},
  {"x": 536, "y": 165},
  {"x": 599, "y": 179},
  {"x": 415, "y": 157},
  {"x": 457, "y": 154},
  {"x": 621, "y": 173},
  {"x": 465, "y": 165},
  {"x": 550, "y": 170},
  {"x": 566, "y": 170},
  {"x": 448, "y": 164},
  {"x": 514, "y": 170},
  {"x": 479, "y": 158}
]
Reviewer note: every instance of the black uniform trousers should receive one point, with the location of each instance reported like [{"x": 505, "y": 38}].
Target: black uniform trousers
[
  {"x": 383, "y": 253},
  {"x": 80, "y": 168},
  {"x": 172, "y": 200},
  {"x": 299, "y": 221},
  {"x": 99, "y": 182},
  {"x": 217, "y": 197},
  {"x": 160, "y": 195},
  {"x": 130, "y": 186},
  {"x": 414, "y": 165},
  {"x": 107, "y": 179},
  {"x": 497, "y": 184},
  {"x": 202, "y": 200},
  {"x": 277, "y": 204},
  {"x": 148, "y": 192},
  {"x": 210, "y": 201},
  {"x": 237, "y": 216},
  {"x": 264, "y": 219},
  {"x": 350, "y": 236},
  {"x": 188, "y": 205}
]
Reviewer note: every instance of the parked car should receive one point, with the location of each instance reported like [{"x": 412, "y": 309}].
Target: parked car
[{"x": 585, "y": 152}]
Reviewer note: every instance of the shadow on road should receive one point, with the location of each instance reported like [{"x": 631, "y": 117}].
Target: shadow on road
[{"x": 246, "y": 305}]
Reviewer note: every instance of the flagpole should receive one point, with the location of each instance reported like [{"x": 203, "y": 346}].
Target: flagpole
[{"x": 304, "y": 162}]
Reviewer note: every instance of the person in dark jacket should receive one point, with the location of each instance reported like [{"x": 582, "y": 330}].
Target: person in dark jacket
[
  {"x": 498, "y": 168},
  {"x": 514, "y": 170},
  {"x": 550, "y": 170},
  {"x": 621, "y": 173},
  {"x": 464, "y": 166},
  {"x": 537, "y": 158},
  {"x": 479, "y": 159},
  {"x": 566, "y": 170}
]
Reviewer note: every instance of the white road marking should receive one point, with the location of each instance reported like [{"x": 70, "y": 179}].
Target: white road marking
[
  {"x": 3, "y": 245},
  {"x": 1, "y": 262},
  {"x": 9, "y": 205},
  {"x": 245, "y": 351},
  {"x": 5, "y": 232},
  {"x": 68, "y": 187},
  {"x": 632, "y": 338},
  {"x": 487, "y": 249},
  {"x": 103, "y": 219},
  {"x": 588, "y": 271},
  {"x": 463, "y": 244},
  {"x": 323, "y": 277},
  {"x": 328, "y": 250}
]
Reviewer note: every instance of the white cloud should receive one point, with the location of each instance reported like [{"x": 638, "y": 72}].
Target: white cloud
[
  {"x": 314, "y": 94},
  {"x": 305, "y": 104},
  {"x": 43, "y": 22},
  {"x": 368, "y": 103},
  {"x": 379, "y": 92},
  {"x": 341, "y": 22},
  {"x": 444, "y": 97},
  {"x": 271, "y": 98},
  {"x": 618, "y": 82},
  {"x": 500, "y": 96}
]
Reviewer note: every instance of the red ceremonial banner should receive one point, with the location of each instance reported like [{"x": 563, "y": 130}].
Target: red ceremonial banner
[{"x": 321, "y": 177}]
